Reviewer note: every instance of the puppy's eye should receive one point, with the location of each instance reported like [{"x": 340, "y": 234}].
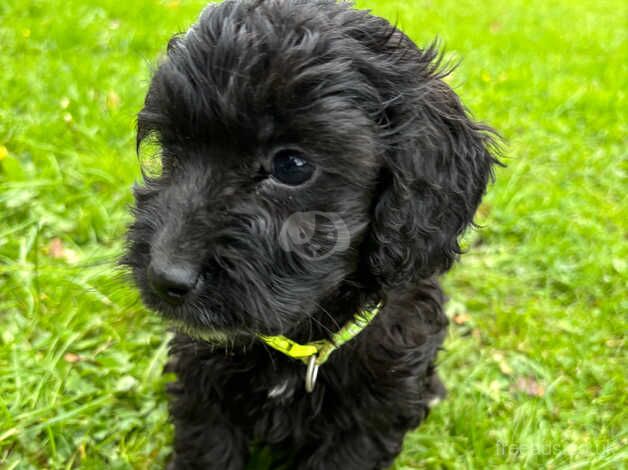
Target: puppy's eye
[
  {"x": 290, "y": 167},
  {"x": 150, "y": 158}
]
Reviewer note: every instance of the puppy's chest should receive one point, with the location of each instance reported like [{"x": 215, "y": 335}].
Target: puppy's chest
[{"x": 281, "y": 390}]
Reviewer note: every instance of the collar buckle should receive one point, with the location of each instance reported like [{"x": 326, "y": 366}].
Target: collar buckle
[{"x": 316, "y": 353}]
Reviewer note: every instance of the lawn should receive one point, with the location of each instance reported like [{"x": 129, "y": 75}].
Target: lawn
[{"x": 536, "y": 359}]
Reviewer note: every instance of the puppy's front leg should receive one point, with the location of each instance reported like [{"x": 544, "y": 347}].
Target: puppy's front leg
[
  {"x": 204, "y": 439},
  {"x": 355, "y": 450}
]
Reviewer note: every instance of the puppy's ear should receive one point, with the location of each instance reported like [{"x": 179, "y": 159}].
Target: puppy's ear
[{"x": 436, "y": 165}]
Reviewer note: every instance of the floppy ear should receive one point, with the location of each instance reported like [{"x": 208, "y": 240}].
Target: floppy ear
[{"x": 436, "y": 165}]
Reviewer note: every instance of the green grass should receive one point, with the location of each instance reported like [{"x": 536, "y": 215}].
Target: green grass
[{"x": 536, "y": 358}]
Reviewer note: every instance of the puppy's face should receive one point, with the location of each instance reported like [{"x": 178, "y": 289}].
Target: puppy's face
[
  {"x": 288, "y": 136},
  {"x": 268, "y": 170}
]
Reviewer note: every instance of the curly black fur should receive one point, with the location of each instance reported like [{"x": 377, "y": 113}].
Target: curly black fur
[{"x": 398, "y": 160}]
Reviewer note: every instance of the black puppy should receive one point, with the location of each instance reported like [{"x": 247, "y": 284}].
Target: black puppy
[{"x": 315, "y": 167}]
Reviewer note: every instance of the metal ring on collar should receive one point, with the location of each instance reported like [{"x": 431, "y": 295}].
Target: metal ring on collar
[{"x": 311, "y": 374}]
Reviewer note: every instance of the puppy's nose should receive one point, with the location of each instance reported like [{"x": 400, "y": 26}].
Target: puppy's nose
[{"x": 172, "y": 282}]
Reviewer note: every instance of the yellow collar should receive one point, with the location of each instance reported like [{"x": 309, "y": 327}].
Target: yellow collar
[
  {"x": 313, "y": 354},
  {"x": 322, "y": 349}
]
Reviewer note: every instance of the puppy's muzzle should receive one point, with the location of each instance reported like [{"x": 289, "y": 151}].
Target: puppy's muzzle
[{"x": 172, "y": 282}]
